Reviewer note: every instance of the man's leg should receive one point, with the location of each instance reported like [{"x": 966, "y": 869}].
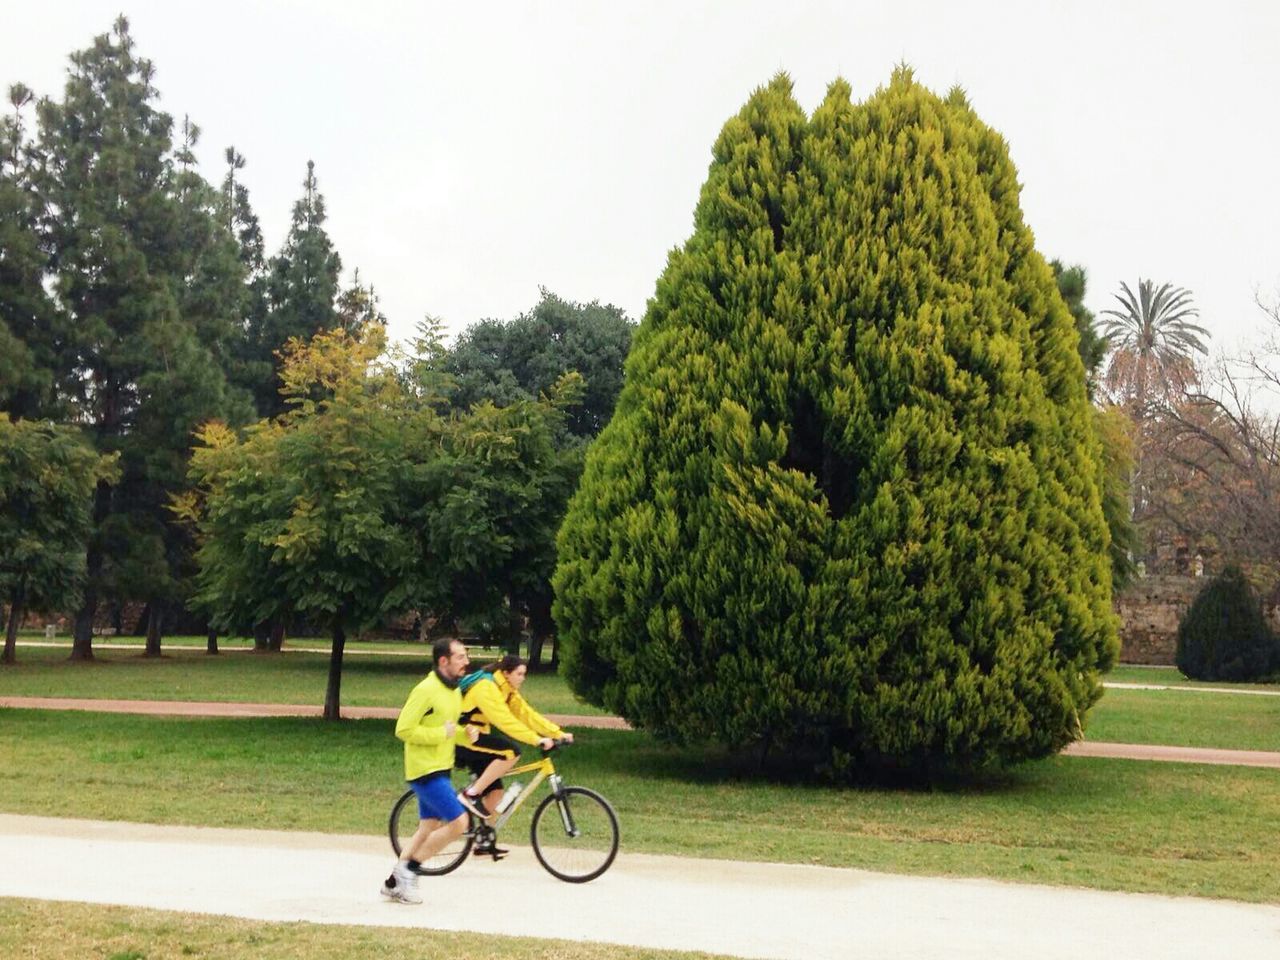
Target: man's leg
[
  {"x": 441, "y": 818},
  {"x": 432, "y": 836}
]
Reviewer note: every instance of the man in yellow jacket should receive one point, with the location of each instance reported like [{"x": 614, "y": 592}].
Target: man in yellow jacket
[
  {"x": 428, "y": 725},
  {"x": 491, "y": 702}
]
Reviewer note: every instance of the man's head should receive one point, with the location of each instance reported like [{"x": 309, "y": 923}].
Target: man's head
[{"x": 451, "y": 659}]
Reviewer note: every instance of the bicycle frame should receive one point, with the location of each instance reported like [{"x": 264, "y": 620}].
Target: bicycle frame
[{"x": 543, "y": 769}]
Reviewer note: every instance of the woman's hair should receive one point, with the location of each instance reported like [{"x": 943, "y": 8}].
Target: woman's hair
[{"x": 507, "y": 664}]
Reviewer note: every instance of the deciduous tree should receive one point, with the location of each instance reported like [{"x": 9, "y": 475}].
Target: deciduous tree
[{"x": 47, "y": 478}]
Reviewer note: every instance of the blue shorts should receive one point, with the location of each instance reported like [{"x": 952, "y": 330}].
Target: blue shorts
[{"x": 436, "y": 797}]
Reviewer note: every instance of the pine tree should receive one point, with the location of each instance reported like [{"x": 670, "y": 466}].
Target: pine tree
[
  {"x": 302, "y": 288},
  {"x": 28, "y": 320},
  {"x": 848, "y": 505},
  {"x": 1072, "y": 282},
  {"x": 139, "y": 272},
  {"x": 253, "y": 368},
  {"x": 358, "y": 307}
]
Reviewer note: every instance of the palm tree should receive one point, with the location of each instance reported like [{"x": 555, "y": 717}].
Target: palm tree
[{"x": 1153, "y": 339}]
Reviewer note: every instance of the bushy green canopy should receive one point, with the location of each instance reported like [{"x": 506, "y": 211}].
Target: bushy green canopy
[
  {"x": 849, "y": 502},
  {"x": 1224, "y": 635}
]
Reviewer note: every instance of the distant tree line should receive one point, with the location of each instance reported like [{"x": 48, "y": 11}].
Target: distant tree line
[{"x": 139, "y": 309}]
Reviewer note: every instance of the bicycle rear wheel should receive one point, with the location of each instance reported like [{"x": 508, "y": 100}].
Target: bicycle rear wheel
[
  {"x": 575, "y": 834},
  {"x": 404, "y": 823}
]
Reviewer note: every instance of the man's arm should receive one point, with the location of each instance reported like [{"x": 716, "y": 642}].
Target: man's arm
[{"x": 411, "y": 729}]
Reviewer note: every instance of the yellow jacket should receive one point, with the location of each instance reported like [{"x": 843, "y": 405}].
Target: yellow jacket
[
  {"x": 497, "y": 704},
  {"x": 421, "y": 726}
]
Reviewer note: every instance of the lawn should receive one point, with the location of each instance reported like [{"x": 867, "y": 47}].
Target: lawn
[
  {"x": 1170, "y": 717},
  {"x": 1186, "y": 718},
  {"x": 40, "y": 930},
  {"x": 242, "y": 676},
  {"x": 1109, "y": 824}
]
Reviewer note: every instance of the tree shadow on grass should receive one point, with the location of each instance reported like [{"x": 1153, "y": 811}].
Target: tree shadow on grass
[{"x": 636, "y": 753}]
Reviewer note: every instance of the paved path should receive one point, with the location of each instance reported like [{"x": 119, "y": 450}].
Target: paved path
[
  {"x": 173, "y": 708},
  {"x": 1187, "y": 688},
  {"x": 742, "y": 909}
]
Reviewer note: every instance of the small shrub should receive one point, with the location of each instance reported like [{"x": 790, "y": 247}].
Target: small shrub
[{"x": 1224, "y": 635}]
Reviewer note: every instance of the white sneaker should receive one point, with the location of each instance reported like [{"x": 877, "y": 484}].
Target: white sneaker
[{"x": 406, "y": 885}]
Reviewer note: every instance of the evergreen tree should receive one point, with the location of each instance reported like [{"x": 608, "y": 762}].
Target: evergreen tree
[
  {"x": 1224, "y": 635},
  {"x": 253, "y": 368},
  {"x": 849, "y": 502},
  {"x": 302, "y": 287},
  {"x": 358, "y": 307},
  {"x": 1093, "y": 346},
  {"x": 28, "y": 321},
  {"x": 1113, "y": 428},
  {"x": 522, "y": 358},
  {"x": 139, "y": 274}
]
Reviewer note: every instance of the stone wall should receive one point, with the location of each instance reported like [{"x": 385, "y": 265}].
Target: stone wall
[{"x": 1150, "y": 610}]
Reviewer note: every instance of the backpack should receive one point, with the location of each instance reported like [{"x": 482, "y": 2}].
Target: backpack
[{"x": 471, "y": 679}]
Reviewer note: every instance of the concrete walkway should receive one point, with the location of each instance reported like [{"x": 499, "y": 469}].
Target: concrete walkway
[
  {"x": 183, "y": 708},
  {"x": 742, "y": 909},
  {"x": 1187, "y": 688}
]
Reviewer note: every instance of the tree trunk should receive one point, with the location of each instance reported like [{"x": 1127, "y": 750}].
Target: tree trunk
[
  {"x": 212, "y": 648},
  {"x": 142, "y": 625},
  {"x": 276, "y": 642},
  {"x": 555, "y": 656},
  {"x": 332, "y": 693},
  {"x": 82, "y": 641},
  {"x": 154, "y": 623},
  {"x": 11, "y": 634},
  {"x": 515, "y": 628},
  {"x": 535, "y": 651}
]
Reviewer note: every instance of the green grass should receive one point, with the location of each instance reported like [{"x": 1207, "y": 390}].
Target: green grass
[
  {"x": 246, "y": 643},
  {"x": 1109, "y": 824},
  {"x": 1172, "y": 717},
  {"x": 41, "y": 930},
  {"x": 1185, "y": 719},
  {"x": 240, "y": 676}
]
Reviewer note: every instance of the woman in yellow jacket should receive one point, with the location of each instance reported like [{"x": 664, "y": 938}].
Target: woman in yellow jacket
[{"x": 491, "y": 701}]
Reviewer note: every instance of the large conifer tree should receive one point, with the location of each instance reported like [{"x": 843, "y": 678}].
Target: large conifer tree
[
  {"x": 849, "y": 502},
  {"x": 302, "y": 287},
  {"x": 29, "y": 329},
  {"x": 141, "y": 272}
]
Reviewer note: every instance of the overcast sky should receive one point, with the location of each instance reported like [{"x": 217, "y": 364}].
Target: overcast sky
[{"x": 470, "y": 153}]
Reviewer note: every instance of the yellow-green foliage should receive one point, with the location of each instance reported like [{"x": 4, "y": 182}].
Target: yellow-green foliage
[{"x": 850, "y": 498}]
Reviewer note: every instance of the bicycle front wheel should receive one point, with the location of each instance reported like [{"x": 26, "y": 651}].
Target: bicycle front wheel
[
  {"x": 575, "y": 834},
  {"x": 404, "y": 823}
]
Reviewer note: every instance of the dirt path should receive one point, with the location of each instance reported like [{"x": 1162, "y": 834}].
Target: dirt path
[
  {"x": 742, "y": 909},
  {"x": 177, "y": 708}
]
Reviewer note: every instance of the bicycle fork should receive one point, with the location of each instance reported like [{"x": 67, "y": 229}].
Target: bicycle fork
[{"x": 562, "y": 804}]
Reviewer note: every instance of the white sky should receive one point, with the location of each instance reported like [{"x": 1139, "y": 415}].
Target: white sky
[{"x": 469, "y": 153}]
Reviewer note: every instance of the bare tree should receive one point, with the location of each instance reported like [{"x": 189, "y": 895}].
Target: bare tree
[{"x": 1213, "y": 455}]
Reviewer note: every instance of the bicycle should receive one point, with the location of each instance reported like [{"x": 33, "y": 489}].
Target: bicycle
[{"x": 576, "y": 844}]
